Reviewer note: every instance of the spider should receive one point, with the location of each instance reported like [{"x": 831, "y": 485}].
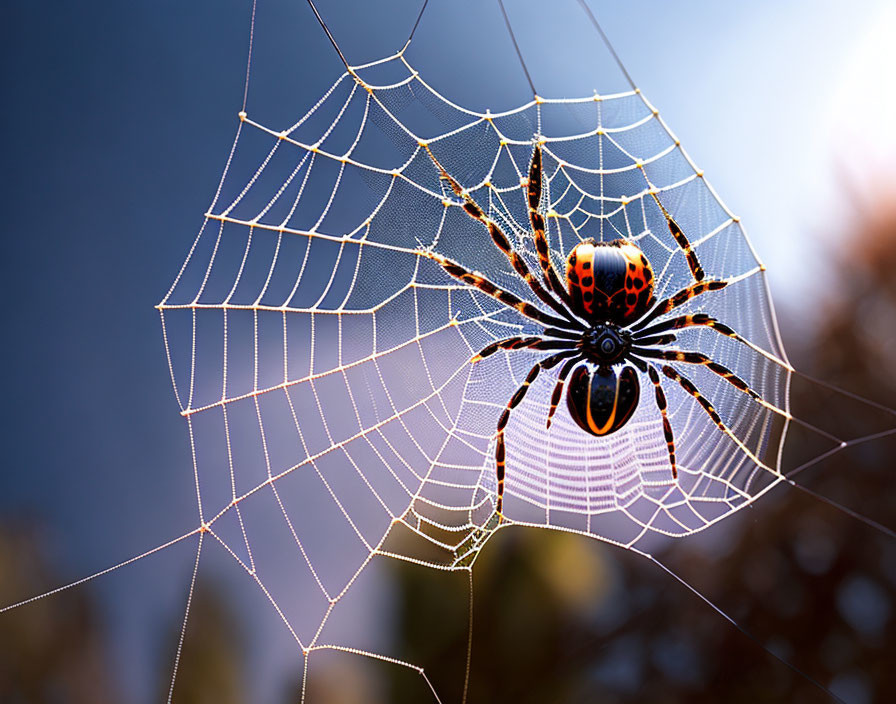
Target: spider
[{"x": 600, "y": 325}]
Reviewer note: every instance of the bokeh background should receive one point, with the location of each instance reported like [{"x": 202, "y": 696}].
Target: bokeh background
[{"x": 117, "y": 121}]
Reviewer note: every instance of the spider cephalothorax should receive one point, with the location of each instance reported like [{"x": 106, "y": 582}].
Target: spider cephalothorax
[{"x": 600, "y": 327}]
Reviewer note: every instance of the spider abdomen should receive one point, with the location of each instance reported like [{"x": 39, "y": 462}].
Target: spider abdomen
[
  {"x": 609, "y": 281},
  {"x": 602, "y": 399}
]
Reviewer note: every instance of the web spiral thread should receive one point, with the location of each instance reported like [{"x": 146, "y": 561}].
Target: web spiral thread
[{"x": 323, "y": 364}]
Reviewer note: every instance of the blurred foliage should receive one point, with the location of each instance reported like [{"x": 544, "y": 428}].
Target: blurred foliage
[
  {"x": 51, "y": 650},
  {"x": 56, "y": 650},
  {"x": 211, "y": 668}
]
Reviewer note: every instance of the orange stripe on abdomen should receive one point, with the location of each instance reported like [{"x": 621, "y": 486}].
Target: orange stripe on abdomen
[{"x": 608, "y": 426}]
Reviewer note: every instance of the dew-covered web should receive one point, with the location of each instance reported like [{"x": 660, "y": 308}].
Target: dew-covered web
[
  {"x": 309, "y": 310},
  {"x": 322, "y": 362}
]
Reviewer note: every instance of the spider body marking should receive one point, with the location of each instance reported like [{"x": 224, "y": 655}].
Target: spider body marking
[
  {"x": 604, "y": 336},
  {"x": 610, "y": 284},
  {"x": 602, "y": 399},
  {"x": 609, "y": 281}
]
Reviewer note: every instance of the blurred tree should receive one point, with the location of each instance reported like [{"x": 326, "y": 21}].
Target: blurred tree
[
  {"x": 212, "y": 662},
  {"x": 337, "y": 677},
  {"x": 51, "y": 650}
]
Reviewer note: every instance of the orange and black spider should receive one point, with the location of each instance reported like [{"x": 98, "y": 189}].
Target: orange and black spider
[{"x": 600, "y": 327}]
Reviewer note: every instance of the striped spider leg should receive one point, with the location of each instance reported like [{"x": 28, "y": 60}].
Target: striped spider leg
[
  {"x": 643, "y": 347},
  {"x": 700, "y": 286},
  {"x": 534, "y": 187},
  {"x": 515, "y": 400},
  {"x": 500, "y": 240},
  {"x": 598, "y": 324},
  {"x": 556, "y": 328},
  {"x": 558, "y": 334},
  {"x": 680, "y": 238}
]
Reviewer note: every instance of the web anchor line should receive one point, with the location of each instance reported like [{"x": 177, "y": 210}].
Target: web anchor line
[
  {"x": 734, "y": 623},
  {"x": 416, "y": 24},
  {"x": 330, "y": 36},
  {"x": 606, "y": 40},
  {"x": 323, "y": 24},
  {"x": 516, "y": 46}
]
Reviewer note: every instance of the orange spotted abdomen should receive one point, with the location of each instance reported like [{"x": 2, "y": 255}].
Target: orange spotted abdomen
[{"x": 609, "y": 281}]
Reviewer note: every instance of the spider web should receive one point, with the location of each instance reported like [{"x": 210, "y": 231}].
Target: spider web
[{"x": 322, "y": 363}]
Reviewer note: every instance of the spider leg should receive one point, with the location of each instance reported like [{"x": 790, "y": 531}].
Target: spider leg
[
  {"x": 699, "y": 358},
  {"x": 515, "y": 400},
  {"x": 558, "y": 387},
  {"x": 667, "y": 427},
  {"x": 519, "y": 343},
  {"x": 687, "y": 321},
  {"x": 679, "y": 299},
  {"x": 725, "y": 373},
  {"x": 681, "y": 240},
  {"x": 536, "y": 219},
  {"x": 565, "y": 334},
  {"x": 653, "y": 340},
  {"x": 639, "y": 363},
  {"x": 689, "y": 387},
  {"x": 477, "y": 280},
  {"x": 472, "y": 208}
]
